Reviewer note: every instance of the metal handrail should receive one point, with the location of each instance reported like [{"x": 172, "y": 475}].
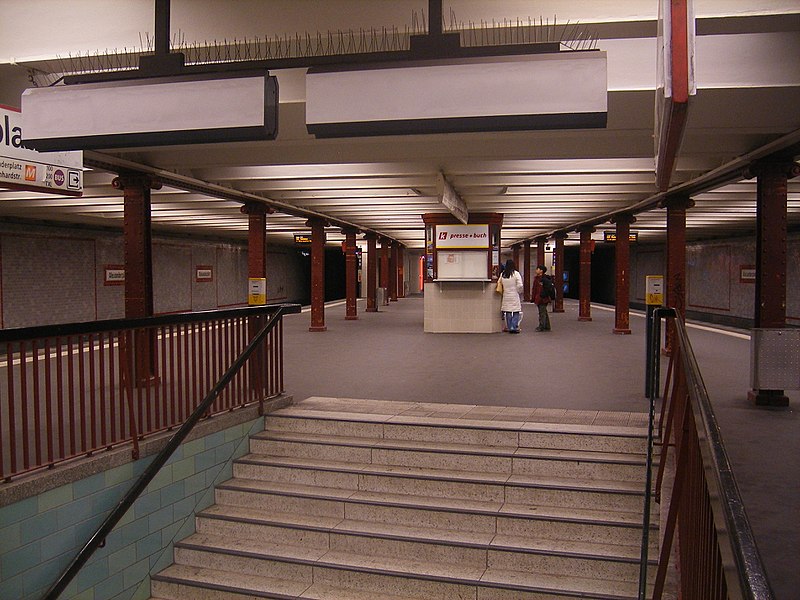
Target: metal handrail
[
  {"x": 18, "y": 334},
  {"x": 163, "y": 456},
  {"x": 653, "y": 365},
  {"x": 752, "y": 577},
  {"x": 736, "y": 541}
]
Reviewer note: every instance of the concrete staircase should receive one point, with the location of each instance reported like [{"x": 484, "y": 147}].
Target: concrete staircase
[{"x": 356, "y": 500}]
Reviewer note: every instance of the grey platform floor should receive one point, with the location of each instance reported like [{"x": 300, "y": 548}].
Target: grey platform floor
[{"x": 579, "y": 366}]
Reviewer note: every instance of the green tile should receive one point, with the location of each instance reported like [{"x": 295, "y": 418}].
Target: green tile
[
  {"x": 173, "y": 493},
  {"x": 55, "y": 498},
  {"x": 19, "y": 560},
  {"x": 160, "y": 519},
  {"x": 193, "y": 447},
  {"x": 13, "y": 513},
  {"x": 143, "y": 591},
  {"x": 214, "y": 439},
  {"x": 12, "y": 587},
  {"x": 136, "y": 573},
  {"x": 133, "y": 531},
  {"x": 110, "y": 588},
  {"x": 121, "y": 559},
  {"x": 183, "y": 508},
  {"x": 234, "y": 433},
  {"x": 39, "y": 526},
  {"x": 118, "y": 475},
  {"x": 92, "y": 573},
  {"x": 42, "y": 576},
  {"x": 61, "y": 542},
  {"x": 146, "y": 503},
  {"x": 183, "y": 469},
  {"x": 140, "y": 466},
  {"x": 162, "y": 478},
  {"x": 205, "y": 460},
  {"x": 195, "y": 483},
  {"x": 149, "y": 545},
  {"x": 84, "y": 595},
  {"x": 176, "y": 455},
  {"x": 75, "y": 513},
  {"x": 10, "y": 538},
  {"x": 89, "y": 485},
  {"x": 225, "y": 452}
]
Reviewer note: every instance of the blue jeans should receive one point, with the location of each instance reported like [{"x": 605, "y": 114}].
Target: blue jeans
[{"x": 512, "y": 320}]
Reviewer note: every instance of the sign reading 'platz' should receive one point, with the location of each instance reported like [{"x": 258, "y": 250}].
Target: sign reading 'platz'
[{"x": 24, "y": 169}]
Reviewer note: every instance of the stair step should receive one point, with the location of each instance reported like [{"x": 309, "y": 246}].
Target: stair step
[
  {"x": 472, "y": 457},
  {"x": 187, "y": 582},
  {"x": 422, "y": 578},
  {"x": 315, "y": 531},
  {"x": 544, "y": 523},
  {"x": 437, "y": 430},
  {"x": 344, "y": 499},
  {"x": 418, "y": 481}
]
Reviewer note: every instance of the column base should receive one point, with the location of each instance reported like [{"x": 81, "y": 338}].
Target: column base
[
  {"x": 558, "y": 310},
  {"x": 318, "y": 328},
  {"x": 351, "y": 318},
  {"x": 584, "y": 318},
  {"x": 372, "y": 310},
  {"x": 621, "y": 331},
  {"x": 772, "y": 398}
]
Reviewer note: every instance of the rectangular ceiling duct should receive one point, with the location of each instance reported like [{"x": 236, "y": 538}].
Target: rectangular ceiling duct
[
  {"x": 564, "y": 90},
  {"x": 152, "y": 112}
]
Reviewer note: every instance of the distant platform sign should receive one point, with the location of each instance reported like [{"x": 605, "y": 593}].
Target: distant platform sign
[{"x": 24, "y": 169}]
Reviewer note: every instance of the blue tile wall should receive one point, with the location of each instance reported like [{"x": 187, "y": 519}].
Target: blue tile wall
[{"x": 40, "y": 535}]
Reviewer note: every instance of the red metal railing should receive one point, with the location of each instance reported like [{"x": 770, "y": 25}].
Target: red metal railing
[
  {"x": 72, "y": 390},
  {"x": 717, "y": 557}
]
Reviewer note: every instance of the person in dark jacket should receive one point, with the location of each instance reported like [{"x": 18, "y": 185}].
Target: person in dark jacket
[{"x": 541, "y": 295}]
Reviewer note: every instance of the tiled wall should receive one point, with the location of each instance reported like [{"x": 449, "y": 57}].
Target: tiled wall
[
  {"x": 462, "y": 307},
  {"x": 40, "y": 535},
  {"x": 714, "y": 288},
  {"x": 55, "y": 274}
]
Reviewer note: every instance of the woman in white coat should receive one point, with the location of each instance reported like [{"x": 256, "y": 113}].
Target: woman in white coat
[{"x": 511, "y": 306}]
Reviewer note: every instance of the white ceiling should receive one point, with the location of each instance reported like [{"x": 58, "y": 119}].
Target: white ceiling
[{"x": 746, "y": 106}]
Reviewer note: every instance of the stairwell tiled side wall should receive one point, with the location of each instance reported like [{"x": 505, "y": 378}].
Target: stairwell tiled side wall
[{"x": 40, "y": 535}]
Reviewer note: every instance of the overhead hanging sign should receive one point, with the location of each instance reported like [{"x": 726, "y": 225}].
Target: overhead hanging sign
[
  {"x": 559, "y": 90},
  {"x": 611, "y": 236},
  {"x": 232, "y": 107},
  {"x": 24, "y": 169}
]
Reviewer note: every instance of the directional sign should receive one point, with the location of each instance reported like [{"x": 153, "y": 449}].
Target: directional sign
[{"x": 24, "y": 169}]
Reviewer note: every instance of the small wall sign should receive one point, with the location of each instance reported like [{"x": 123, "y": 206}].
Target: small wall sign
[
  {"x": 114, "y": 275},
  {"x": 747, "y": 273},
  {"x": 204, "y": 273}
]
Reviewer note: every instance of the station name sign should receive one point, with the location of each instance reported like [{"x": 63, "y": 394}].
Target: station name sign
[
  {"x": 462, "y": 236},
  {"x": 24, "y": 169},
  {"x": 611, "y": 236}
]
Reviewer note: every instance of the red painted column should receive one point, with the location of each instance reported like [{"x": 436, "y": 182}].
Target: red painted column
[
  {"x": 351, "y": 268},
  {"x": 526, "y": 273},
  {"x": 385, "y": 270},
  {"x": 401, "y": 288},
  {"x": 317, "y": 274},
  {"x": 585, "y": 275},
  {"x": 393, "y": 272},
  {"x": 676, "y": 260},
  {"x": 622, "y": 255},
  {"x": 138, "y": 255},
  {"x": 771, "y": 229},
  {"x": 540, "y": 244},
  {"x": 256, "y": 239},
  {"x": 372, "y": 272},
  {"x": 558, "y": 275}
]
